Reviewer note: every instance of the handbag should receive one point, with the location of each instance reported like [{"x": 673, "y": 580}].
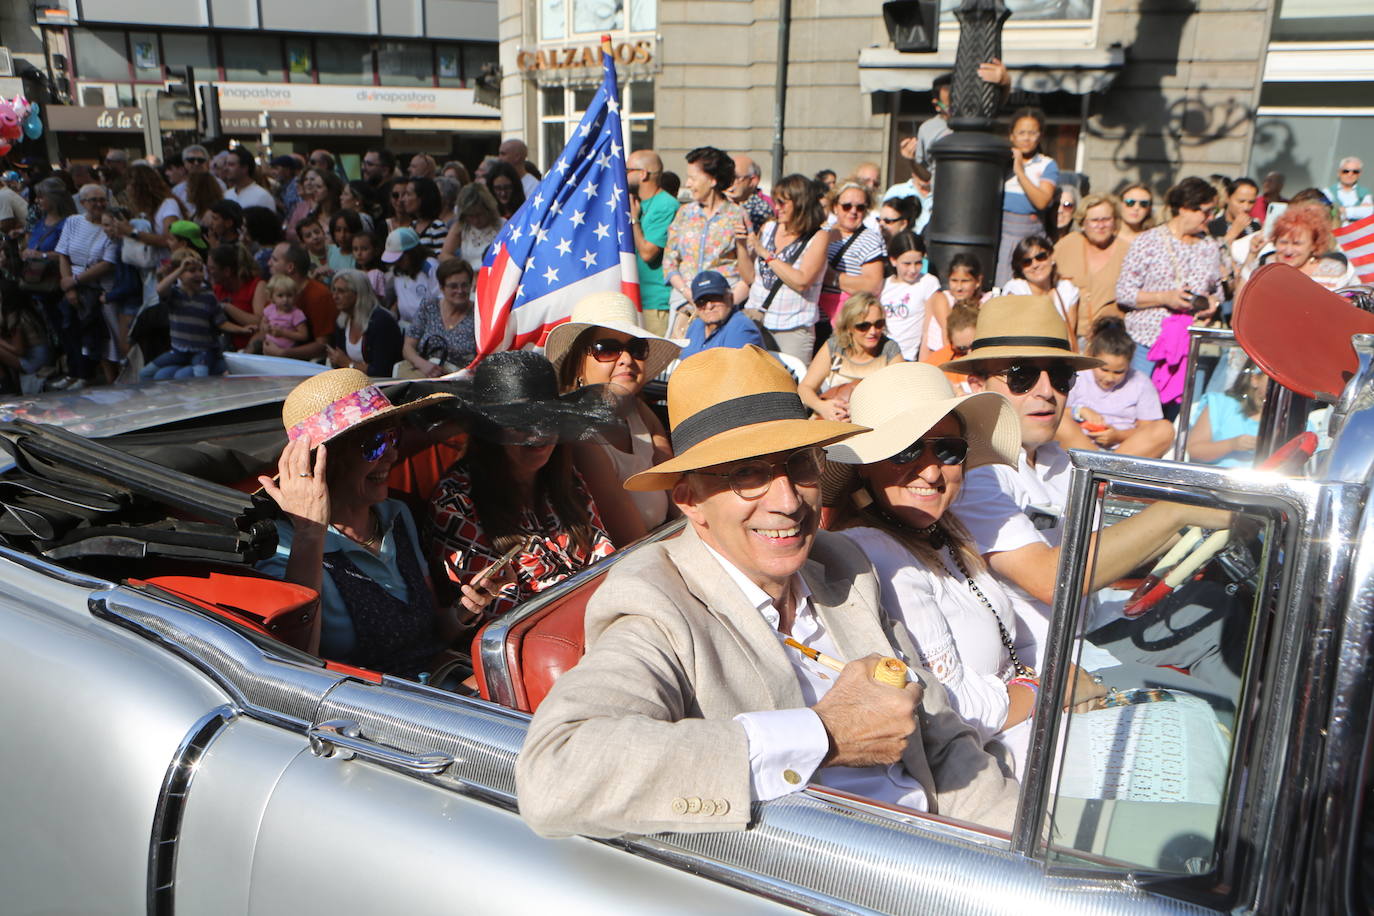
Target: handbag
[{"x": 39, "y": 275}]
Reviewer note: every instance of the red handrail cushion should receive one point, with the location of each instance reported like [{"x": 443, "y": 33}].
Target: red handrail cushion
[{"x": 280, "y": 609}]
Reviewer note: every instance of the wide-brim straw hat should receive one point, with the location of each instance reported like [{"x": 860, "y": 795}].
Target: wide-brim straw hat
[
  {"x": 325, "y": 406},
  {"x": 901, "y": 402},
  {"x": 513, "y": 396},
  {"x": 1020, "y": 327},
  {"x": 616, "y": 312},
  {"x": 727, "y": 404}
]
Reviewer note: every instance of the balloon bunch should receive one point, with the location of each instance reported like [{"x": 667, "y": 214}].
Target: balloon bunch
[{"x": 19, "y": 118}]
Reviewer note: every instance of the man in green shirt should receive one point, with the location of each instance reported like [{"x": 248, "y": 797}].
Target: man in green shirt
[{"x": 651, "y": 210}]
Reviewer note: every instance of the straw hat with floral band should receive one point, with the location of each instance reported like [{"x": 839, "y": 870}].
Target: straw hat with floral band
[
  {"x": 615, "y": 312},
  {"x": 728, "y": 404},
  {"x": 902, "y": 402},
  {"x": 325, "y": 406},
  {"x": 1019, "y": 328},
  {"x": 514, "y": 398}
]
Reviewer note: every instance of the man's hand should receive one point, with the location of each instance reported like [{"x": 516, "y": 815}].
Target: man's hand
[
  {"x": 868, "y": 723},
  {"x": 995, "y": 72},
  {"x": 907, "y": 148}
]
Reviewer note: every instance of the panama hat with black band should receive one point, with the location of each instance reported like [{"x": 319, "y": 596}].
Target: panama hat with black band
[
  {"x": 1019, "y": 328},
  {"x": 728, "y": 404}
]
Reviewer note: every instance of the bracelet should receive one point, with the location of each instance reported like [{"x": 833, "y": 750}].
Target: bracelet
[{"x": 1030, "y": 682}]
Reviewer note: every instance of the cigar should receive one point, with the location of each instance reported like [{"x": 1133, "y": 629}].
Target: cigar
[{"x": 890, "y": 671}]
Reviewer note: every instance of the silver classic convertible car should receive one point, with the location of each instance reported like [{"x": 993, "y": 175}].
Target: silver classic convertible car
[{"x": 169, "y": 748}]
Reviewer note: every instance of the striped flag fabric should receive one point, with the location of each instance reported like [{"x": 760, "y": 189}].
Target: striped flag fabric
[
  {"x": 1357, "y": 241},
  {"x": 572, "y": 236}
]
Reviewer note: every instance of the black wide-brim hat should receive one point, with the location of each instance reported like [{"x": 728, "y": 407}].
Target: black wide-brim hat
[{"x": 513, "y": 396}]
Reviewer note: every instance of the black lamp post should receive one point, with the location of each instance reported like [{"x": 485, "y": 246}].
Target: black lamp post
[{"x": 971, "y": 163}]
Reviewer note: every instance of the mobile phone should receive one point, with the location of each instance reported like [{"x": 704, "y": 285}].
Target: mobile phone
[{"x": 503, "y": 561}]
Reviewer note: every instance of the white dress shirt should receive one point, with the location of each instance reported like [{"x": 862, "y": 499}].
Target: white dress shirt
[{"x": 786, "y": 746}]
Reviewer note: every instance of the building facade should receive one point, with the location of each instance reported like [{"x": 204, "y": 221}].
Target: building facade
[
  {"x": 399, "y": 73},
  {"x": 1133, "y": 90}
]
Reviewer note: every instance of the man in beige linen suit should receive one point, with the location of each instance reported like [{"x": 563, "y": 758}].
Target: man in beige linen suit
[{"x": 687, "y": 706}]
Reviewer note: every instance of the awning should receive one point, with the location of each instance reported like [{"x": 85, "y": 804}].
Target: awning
[{"x": 1076, "y": 70}]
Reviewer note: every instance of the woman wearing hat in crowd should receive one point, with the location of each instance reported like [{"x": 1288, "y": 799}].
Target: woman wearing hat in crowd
[
  {"x": 414, "y": 274},
  {"x": 859, "y": 347},
  {"x": 517, "y": 486},
  {"x": 343, "y": 537},
  {"x": 603, "y": 344}
]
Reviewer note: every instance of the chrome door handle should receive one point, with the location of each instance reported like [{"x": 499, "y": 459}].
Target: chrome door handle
[{"x": 342, "y": 738}]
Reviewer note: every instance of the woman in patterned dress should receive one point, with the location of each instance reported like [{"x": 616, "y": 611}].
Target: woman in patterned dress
[{"x": 517, "y": 486}]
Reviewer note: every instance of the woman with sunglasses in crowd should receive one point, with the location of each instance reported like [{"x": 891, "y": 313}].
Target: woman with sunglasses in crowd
[
  {"x": 342, "y": 535},
  {"x": 1173, "y": 269},
  {"x": 1137, "y": 211},
  {"x": 1035, "y": 274},
  {"x": 1029, "y": 191},
  {"x": 856, "y": 254},
  {"x": 516, "y": 488},
  {"x": 858, "y": 347},
  {"x": 602, "y": 344}
]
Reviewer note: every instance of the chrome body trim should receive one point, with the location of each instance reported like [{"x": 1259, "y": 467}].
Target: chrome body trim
[
  {"x": 1351, "y": 455},
  {"x": 1197, "y": 338},
  {"x": 162, "y": 854},
  {"x": 343, "y": 738},
  {"x": 499, "y": 679}
]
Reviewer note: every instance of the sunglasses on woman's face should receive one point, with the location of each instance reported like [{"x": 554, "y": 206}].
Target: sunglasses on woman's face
[
  {"x": 849, "y": 207},
  {"x": 608, "y": 349},
  {"x": 374, "y": 446},
  {"x": 1036, "y": 258},
  {"x": 1021, "y": 379},
  {"x": 863, "y": 326},
  {"x": 1134, "y": 202},
  {"x": 890, "y": 220},
  {"x": 948, "y": 450}
]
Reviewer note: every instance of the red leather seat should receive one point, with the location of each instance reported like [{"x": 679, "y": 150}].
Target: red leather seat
[{"x": 540, "y": 648}]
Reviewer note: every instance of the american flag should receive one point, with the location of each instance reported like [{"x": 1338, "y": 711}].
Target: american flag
[
  {"x": 572, "y": 237},
  {"x": 1357, "y": 241}
]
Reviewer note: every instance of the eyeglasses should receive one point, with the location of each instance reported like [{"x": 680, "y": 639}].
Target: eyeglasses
[
  {"x": 1036, "y": 258},
  {"x": 752, "y": 479},
  {"x": 1136, "y": 202},
  {"x": 1021, "y": 379},
  {"x": 863, "y": 326},
  {"x": 851, "y": 207},
  {"x": 374, "y": 446},
  {"x": 959, "y": 351},
  {"x": 948, "y": 450},
  {"x": 890, "y": 220},
  {"x": 1350, "y": 171},
  {"x": 608, "y": 349},
  {"x": 193, "y": 160},
  {"x": 1067, "y": 204}
]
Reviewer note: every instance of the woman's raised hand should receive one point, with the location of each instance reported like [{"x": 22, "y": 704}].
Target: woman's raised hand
[{"x": 301, "y": 491}]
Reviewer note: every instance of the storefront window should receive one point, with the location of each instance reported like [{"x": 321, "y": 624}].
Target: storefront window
[
  {"x": 643, "y": 15},
  {"x": 1323, "y": 20},
  {"x": 1022, "y": 10},
  {"x": 188, "y": 49},
  {"x": 448, "y": 65},
  {"x": 562, "y": 107},
  {"x": 552, "y": 19},
  {"x": 344, "y": 61},
  {"x": 598, "y": 15},
  {"x": 405, "y": 63},
  {"x": 100, "y": 54},
  {"x": 147, "y": 57},
  {"x": 300, "y": 62},
  {"x": 553, "y": 100},
  {"x": 254, "y": 59},
  {"x": 475, "y": 57}
]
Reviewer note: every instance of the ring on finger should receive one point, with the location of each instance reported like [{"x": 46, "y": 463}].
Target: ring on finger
[{"x": 305, "y": 474}]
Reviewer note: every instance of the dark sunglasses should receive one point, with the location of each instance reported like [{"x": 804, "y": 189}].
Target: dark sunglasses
[
  {"x": 1133, "y": 202},
  {"x": 849, "y": 207},
  {"x": 374, "y": 446},
  {"x": 752, "y": 479},
  {"x": 889, "y": 220},
  {"x": 948, "y": 450},
  {"x": 1350, "y": 171},
  {"x": 863, "y": 326},
  {"x": 1035, "y": 258},
  {"x": 608, "y": 349},
  {"x": 1021, "y": 379},
  {"x": 189, "y": 159},
  {"x": 959, "y": 351}
]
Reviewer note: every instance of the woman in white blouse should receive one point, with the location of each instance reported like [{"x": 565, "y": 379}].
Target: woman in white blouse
[{"x": 894, "y": 506}]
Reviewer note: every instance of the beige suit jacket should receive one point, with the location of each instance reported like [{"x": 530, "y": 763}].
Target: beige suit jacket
[{"x": 640, "y": 737}]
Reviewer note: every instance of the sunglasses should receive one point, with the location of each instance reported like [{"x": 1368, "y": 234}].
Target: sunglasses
[
  {"x": 1037, "y": 258},
  {"x": 1134, "y": 202},
  {"x": 851, "y": 207},
  {"x": 1021, "y": 379},
  {"x": 959, "y": 351},
  {"x": 193, "y": 159},
  {"x": 1350, "y": 171},
  {"x": 890, "y": 220},
  {"x": 948, "y": 450},
  {"x": 752, "y": 479},
  {"x": 863, "y": 326},
  {"x": 375, "y": 445},
  {"x": 608, "y": 349}
]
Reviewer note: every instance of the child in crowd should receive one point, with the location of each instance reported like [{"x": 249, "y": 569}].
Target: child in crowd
[
  {"x": 905, "y": 293},
  {"x": 367, "y": 255},
  {"x": 283, "y": 323},
  {"x": 316, "y": 244},
  {"x": 961, "y": 323},
  {"x": 195, "y": 317},
  {"x": 1117, "y": 407},
  {"x": 965, "y": 281},
  {"x": 342, "y": 227}
]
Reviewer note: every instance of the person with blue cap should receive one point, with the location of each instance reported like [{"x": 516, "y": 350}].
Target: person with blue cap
[{"x": 717, "y": 323}]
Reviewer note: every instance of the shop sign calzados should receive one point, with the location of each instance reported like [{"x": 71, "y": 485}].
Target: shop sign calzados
[{"x": 559, "y": 64}]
